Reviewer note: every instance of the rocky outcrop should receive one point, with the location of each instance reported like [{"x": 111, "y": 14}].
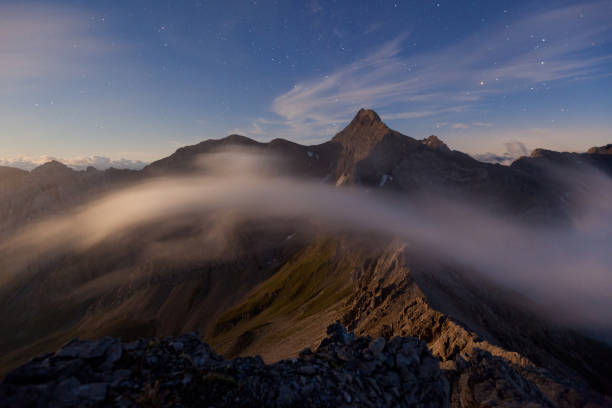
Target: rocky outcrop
[
  {"x": 344, "y": 371},
  {"x": 478, "y": 332},
  {"x": 182, "y": 371},
  {"x": 607, "y": 149},
  {"x": 435, "y": 143}
]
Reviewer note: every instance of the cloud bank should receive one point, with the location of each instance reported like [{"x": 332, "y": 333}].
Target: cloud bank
[
  {"x": 514, "y": 150},
  {"x": 566, "y": 271}
]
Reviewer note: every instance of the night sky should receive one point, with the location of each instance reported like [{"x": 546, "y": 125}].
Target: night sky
[{"x": 138, "y": 79}]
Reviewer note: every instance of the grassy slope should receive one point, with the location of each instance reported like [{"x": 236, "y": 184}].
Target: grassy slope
[{"x": 307, "y": 291}]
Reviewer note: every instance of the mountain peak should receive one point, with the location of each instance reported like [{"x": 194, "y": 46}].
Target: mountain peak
[
  {"x": 237, "y": 139},
  {"x": 539, "y": 152},
  {"x": 365, "y": 129},
  {"x": 365, "y": 134},
  {"x": 367, "y": 116},
  {"x": 52, "y": 166}
]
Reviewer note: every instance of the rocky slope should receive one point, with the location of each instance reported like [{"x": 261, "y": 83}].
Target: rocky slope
[
  {"x": 344, "y": 370},
  {"x": 397, "y": 292},
  {"x": 127, "y": 287},
  {"x": 184, "y": 372}
]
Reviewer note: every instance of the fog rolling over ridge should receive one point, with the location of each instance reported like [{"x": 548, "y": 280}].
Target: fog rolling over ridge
[
  {"x": 565, "y": 271},
  {"x": 310, "y": 204}
]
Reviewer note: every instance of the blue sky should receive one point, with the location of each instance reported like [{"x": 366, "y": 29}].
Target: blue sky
[{"x": 137, "y": 79}]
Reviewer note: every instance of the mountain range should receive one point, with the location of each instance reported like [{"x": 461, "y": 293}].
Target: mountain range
[{"x": 273, "y": 288}]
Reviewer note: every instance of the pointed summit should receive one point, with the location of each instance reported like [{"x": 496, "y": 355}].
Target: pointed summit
[
  {"x": 364, "y": 136},
  {"x": 365, "y": 130},
  {"x": 366, "y": 117}
]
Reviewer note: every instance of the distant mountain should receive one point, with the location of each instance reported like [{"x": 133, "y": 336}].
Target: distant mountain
[
  {"x": 544, "y": 161},
  {"x": 369, "y": 153},
  {"x": 51, "y": 188},
  {"x": 274, "y": 292},
  {"x": 365, "y": 153}
]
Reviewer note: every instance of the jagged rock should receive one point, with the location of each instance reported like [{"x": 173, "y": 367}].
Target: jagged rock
[
  {"x": 160, "y": 372},
  {"x": 435, "y": 143}
]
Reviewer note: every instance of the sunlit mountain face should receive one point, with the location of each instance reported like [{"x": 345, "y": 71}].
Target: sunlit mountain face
[{"x": 345, "y": 204}]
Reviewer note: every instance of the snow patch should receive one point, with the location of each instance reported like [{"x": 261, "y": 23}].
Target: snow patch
[{"x": 384, "y": 179}]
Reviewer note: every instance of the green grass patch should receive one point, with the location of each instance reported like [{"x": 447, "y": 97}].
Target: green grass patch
[{"x": 310, "y": 282}]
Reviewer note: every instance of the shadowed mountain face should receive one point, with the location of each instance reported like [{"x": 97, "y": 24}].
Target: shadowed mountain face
[
  {"x": 271, "y": 288},
  {"x": 365, "y": 153},
  {"x": 52, "y": 188},
  {"x": 607, "y": 149}
]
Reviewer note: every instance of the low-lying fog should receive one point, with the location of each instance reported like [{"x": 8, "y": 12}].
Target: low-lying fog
[{"x": 566, "y": 270}]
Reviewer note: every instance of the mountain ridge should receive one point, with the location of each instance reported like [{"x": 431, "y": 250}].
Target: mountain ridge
[
  {"x": 361, "y": 134},
  {"x": 276, "y": 291}
]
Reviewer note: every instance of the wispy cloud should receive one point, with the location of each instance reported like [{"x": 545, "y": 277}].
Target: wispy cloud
[
  {"x": 482, "y": 124},
  {"x": 463, "y": 125},
  {"x": 514, "y": 150},
  {"x": 77, "y": 163},
  {"x": 549, "y": 46},
  {"x": 38, "y": 41},
  {"x": 493, "y": 141},
  {"x": 423, "y": 114}
]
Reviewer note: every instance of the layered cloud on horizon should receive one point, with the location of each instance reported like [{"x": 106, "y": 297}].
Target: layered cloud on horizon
[
  {"x": 514, "y": 150},
  {"x": 77, "y": 163}
]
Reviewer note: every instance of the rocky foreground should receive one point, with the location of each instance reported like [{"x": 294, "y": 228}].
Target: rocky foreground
[{"x": 183, "y": 371}]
